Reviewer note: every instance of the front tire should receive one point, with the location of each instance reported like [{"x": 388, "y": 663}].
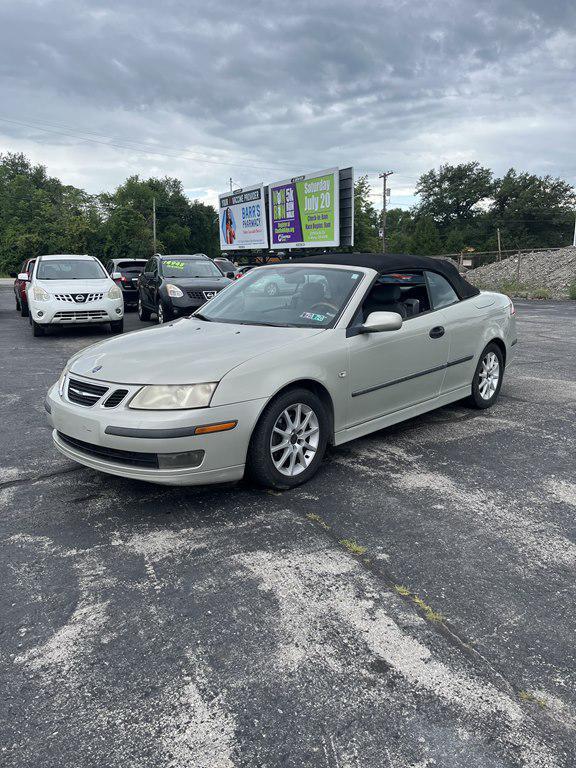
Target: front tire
[
  {"x": 163, "y": 314},
  {"x": 38, "y": 330},
  {"x": 488, "y": 377},
  {"x": 117, "y": 326},
  {"x": 143, "y": 313},
  {"x": 289, "y": 440},
  {"x": 24, "y": 309}
]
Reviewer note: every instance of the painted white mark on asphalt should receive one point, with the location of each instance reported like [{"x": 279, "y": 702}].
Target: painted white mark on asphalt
[{"x": 562, "y": 490}]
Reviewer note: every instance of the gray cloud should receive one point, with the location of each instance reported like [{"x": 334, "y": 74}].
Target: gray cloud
[{"x": 296, "y": 86}]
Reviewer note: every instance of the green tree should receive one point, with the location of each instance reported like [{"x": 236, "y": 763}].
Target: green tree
[
  {"x": 426, "y": 240},
  {"x": 453, "y": 192},
  {"x": 533, "y": 211},
  {"x": 128, "y": 235},
  {"x": 366, "y": 237}
]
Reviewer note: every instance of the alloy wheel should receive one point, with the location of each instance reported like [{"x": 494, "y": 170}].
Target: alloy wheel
[
  {"x": 489, "y": 376},
  {"x": 140, "y": 308},
  {"x": 160, "y": 313},
  {"x": 294, "y": 440}
]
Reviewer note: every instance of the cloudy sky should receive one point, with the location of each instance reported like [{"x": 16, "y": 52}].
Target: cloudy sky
[{"x": 262, "y": 90}]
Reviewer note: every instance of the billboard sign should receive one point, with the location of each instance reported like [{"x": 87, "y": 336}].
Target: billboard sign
[
  {"x": 242, "y": 219},
  {"x": 305, "y": 211}
]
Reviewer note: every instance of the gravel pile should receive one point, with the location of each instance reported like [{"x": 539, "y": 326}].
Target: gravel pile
[{"x": 541, "y": 274}]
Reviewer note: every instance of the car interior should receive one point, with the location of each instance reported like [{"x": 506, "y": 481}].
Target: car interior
[{"x": 405, "y": 293}]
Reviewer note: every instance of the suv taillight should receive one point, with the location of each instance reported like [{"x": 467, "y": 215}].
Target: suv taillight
[{"x": 512, "y": 308}]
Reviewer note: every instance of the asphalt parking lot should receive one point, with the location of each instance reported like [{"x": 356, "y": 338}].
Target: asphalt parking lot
[{"x": 412, "y": 606}]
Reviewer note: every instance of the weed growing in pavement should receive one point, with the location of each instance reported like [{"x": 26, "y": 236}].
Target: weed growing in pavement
[
  {"x": 353, "y": 547},
  {"x": 527, "y": 696}
]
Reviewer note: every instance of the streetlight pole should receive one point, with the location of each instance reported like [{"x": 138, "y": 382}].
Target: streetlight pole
[
  {"x": 384, "y": 177},
  {"x": 154, "y": 223}
]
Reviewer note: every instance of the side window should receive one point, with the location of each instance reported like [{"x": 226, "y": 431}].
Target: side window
[
  {"x": 441, "y": 292},
  {"x": 154, "y": 267},
  {"x": 149, "y": 265}
]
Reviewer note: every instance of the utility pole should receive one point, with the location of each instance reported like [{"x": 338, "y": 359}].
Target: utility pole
[
  {"x": 499, "y": 245},
  {"x": 231, "y": 182},
  {"x": 574, "y": 243},
  {"x": 154, "y": 222},
  {"x": 384, "y": 177}
]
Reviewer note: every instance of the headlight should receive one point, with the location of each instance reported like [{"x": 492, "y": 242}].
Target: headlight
[
  {"x": 40, "y": 294},
  {"x": 114, "y": 293},
  {"x": 62, "y": 379},
  {"x": 172, "y": 398},
  {"x": 174, "y": 291}
]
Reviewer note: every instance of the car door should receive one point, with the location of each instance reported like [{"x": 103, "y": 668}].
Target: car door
[
  {"x": 145, "y": 280},
  {"x": 462, "y": 322},
  {"x": 393, "y": 370}
]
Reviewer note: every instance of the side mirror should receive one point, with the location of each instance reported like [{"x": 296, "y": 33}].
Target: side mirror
[
  {"x": 116, "y": 275},
  {"x": 23, "y": 276},
  {"x": 230, "y": 275},
  {"x": 382, "y": 321}
]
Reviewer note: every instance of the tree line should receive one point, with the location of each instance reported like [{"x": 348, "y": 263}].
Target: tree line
[
  {"x": 39, "y": 214},
  {"x": 460, "y": 207}
]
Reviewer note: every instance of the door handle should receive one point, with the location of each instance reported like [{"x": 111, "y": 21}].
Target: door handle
[{"x": 437, "y": 332}]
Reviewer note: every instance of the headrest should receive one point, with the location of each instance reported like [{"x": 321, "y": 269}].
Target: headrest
[{"x": 387, "y": 293}]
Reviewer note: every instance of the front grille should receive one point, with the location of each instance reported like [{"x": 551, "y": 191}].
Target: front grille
[
  {"x": 87, "y": 314},
  {"x": 132, "y": 458},
  {"x": 116, "y": 398},
  {"x": 78, "y": 298},
  {"x": 82, "y": 393},
  {"x": 201, "y": 295}
]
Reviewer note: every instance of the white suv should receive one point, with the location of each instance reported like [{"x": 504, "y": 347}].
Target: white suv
[{"x": 72, "y": 290}]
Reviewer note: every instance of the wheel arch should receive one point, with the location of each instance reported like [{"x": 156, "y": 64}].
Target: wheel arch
[
  {"x": 319, "y": 390},
  {"x": 501, "y": 346}
]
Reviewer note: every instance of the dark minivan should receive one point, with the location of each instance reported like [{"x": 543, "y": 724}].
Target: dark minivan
[
  {"x": 174, "y": 286},
  {"x": 125, "y": 274}
]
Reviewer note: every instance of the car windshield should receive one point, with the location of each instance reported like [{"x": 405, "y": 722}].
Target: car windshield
[
  {"x": 298, "y": 296},
  {"x": 70, "y": 269},
  {"x": 189, "y": 268},
  {"x": 226, "y": 266}
]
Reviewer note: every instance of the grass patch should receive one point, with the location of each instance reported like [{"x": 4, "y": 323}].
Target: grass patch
[
  {"x": 317, "y": 519},
  {"x": 528, "y": 696},
  {"x": 353, "y": 547},
  {"x": 524, "y": 290},
  {"x": 572, "y": 291},
  {"x": 428, "y": 612}
]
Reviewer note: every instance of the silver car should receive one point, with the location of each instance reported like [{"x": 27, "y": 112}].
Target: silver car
[{"x": 260, "y": 385}]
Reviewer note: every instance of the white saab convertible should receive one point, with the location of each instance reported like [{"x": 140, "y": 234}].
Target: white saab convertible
[{"x": 259, "y": 384}]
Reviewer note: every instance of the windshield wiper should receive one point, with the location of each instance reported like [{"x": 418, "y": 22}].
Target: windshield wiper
[{"x": 273, "y": 325}]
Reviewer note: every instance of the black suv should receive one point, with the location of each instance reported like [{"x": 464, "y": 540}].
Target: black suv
[
  {"x": 173, "y": 286},
  {"x": 128, "y": 271}
]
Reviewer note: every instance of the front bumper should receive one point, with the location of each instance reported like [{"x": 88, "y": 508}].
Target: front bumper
[
  {"x": 224, "y": 452},
  {"x": 55, "y": 312}
]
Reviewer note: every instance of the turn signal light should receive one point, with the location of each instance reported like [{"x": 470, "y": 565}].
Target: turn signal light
[{"x": 224, "y": 426}]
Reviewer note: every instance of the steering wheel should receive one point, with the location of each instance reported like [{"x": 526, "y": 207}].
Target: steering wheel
[{"x": 324, "y": 304}]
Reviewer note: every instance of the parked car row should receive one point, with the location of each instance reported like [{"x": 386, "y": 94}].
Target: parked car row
[{"x": 69, "y": 289}]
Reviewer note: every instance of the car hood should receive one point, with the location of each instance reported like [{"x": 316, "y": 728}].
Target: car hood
[
  {"x": 188, "y": 351},
  {"x": 76, "y": 286},
  {"x": 199, "y": 282}
]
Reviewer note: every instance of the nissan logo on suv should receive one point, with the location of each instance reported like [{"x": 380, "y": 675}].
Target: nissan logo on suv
[
  {"x": 79, "y": 298},
  {"x": 209, "y": 294}
]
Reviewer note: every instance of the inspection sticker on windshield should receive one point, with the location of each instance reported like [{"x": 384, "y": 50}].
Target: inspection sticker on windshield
[
  {"x": 175, "y": 264},
  {"x": 312, "y": 316}
]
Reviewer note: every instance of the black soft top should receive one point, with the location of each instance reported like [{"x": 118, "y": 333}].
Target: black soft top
[{"x": 397, "y": 262}]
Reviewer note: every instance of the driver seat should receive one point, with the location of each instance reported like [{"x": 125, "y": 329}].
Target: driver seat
[
  {"x": 384, "y": 297},
  {"x": 311, "y": 293}
]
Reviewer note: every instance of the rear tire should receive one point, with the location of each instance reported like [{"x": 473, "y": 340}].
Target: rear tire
[
  {"x": 294, "y": 426},
  {"x": 143, "y": 313},
  {"x": 38, "y": 330},
  {"x": 117, "y": 326},
  {"x": 488, "y": 377}
]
